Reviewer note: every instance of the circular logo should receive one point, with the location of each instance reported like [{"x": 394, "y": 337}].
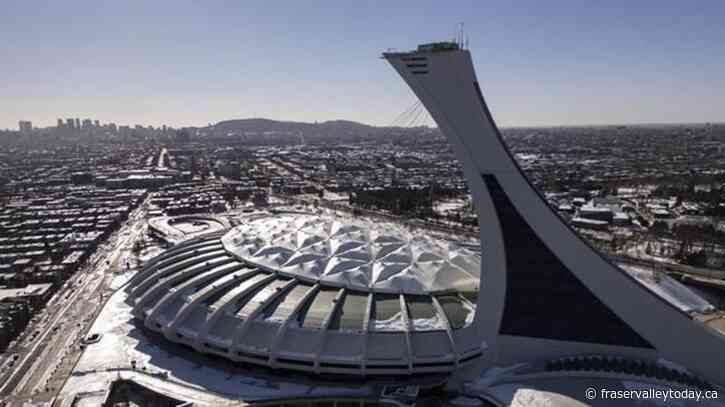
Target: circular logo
[{"x": 591, "y": 393}]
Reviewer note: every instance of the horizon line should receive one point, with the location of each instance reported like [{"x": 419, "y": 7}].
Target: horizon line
[{"x": 317, "y": 122}]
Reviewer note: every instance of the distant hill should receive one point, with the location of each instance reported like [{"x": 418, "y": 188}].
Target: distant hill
[{"x": 259, "y": 125}]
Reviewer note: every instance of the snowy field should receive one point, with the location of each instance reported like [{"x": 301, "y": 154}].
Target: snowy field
[{"x": 669, "y": 289}]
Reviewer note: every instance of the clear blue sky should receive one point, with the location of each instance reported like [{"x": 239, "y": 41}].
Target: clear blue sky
[{"x": 191, "y": 63}]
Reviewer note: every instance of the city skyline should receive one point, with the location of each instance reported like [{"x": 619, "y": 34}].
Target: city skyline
[
  {"x": 29, "y": 127},
  {"x": 193, "y": 64}
]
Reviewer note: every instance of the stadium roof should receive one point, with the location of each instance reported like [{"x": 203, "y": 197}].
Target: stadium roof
[{"x": 356, "y": 253}]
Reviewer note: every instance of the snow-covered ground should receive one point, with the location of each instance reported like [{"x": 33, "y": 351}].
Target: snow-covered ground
[
  {"x": 177, "y": 373},
  {"x": 521, "y": 385},
  {"x": 571, "y": 392},
  {"x": 119, "y": 279},
  {"x": 639, "y": 251},
  {"x": 516, "y": 395},
  {"x": 449, "y": 205},
  {"x": 394, "y": 323},
  {"x": 428, "y": 324},
  {"x": 335, "y": 196},
  {"x": 191, "y": 227},
  {"x": 669, "y": 289},
  {"x": 149, "y": 253}
]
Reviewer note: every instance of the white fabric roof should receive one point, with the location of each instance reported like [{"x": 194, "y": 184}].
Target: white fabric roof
[{"x": 355, "y": 253}]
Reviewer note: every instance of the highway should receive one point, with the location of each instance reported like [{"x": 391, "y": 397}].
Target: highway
[{"x": 46, "y": 359}]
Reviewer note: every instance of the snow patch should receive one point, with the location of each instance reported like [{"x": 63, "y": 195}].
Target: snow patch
[
  {"x": 471, "y": 313},
  {"x": 669, "y": 289},
  {"x": 394, "y": 323},
  {"x": 428, "y": 324},
  {"x": 516, "y": 395}
]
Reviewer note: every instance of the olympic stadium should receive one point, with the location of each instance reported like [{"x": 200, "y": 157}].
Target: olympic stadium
[
  {"x": 536, "y": 316},
  {"x": 317, "y": 293}
]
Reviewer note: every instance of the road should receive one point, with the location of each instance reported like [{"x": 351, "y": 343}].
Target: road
[
  {"x": 671, "y": 268},
  {"x": 46, "y": 360},
  {"x": 161, "y": 164}
]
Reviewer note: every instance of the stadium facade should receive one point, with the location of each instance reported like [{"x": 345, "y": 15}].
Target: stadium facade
[{"x": 316, "y": 293}]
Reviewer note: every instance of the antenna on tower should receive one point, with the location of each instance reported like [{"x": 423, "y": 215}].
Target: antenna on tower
[{"x": 460, "y": 35}]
